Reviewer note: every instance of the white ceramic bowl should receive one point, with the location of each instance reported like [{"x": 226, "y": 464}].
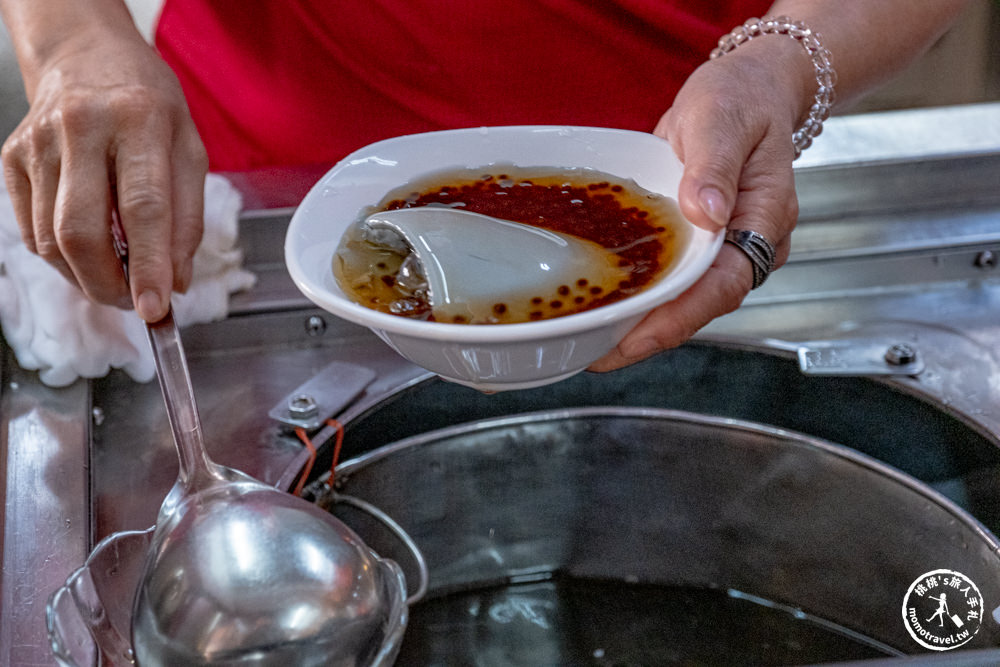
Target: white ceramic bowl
[{"x": 502, "y": 356}]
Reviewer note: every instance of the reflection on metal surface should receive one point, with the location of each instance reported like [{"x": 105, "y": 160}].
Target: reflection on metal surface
[
  {"x": 518, "y": 607},
  {"x": 46, "y": 519}
]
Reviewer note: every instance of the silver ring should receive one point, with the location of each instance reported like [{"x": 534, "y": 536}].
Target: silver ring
[{"x": 760, "y": 251}]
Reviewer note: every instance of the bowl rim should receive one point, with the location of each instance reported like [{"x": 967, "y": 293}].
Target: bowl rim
[{"x": 638, "y": 304}]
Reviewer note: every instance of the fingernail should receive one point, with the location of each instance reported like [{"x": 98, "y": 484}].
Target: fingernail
[
  {"x": 714, "y": 205},
  {"x": 149, "y": 306}
]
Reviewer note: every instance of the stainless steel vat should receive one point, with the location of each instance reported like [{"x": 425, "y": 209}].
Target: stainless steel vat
[{"x": 515, "y": 514}]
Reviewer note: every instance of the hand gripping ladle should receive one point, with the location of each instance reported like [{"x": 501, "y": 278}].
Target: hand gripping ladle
[{"x": 241, "y": 573}]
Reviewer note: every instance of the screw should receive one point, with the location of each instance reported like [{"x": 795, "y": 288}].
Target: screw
[
  {"x": 900, "y": 354},
  {"x": 302, "y": 406},
  {"x": 315, "y": 325},
  {"x": 987, "y": 259},
  {"x": 97, "y": 415}
]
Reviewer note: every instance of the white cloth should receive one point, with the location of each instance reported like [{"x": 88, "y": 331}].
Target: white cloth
[{"x": 54, "y": 329}]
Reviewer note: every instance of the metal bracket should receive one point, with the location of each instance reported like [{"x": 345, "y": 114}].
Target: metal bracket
[
  {"x": 853, "y": 357},
  {"x": 323, "y": 396}
]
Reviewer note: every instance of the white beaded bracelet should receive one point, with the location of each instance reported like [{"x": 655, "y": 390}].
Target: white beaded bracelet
[{"x": 826, "y": 77}]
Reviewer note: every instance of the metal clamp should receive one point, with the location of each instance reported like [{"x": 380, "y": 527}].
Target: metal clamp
[
  {"x": 854, "y": 357},
  {"x": 323, "y": 396}
]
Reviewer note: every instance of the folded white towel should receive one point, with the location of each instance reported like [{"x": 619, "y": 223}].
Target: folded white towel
[{"x": 54, "y": 329}]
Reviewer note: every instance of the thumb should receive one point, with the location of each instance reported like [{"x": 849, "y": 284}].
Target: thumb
[{"x": 713, "y": 156}]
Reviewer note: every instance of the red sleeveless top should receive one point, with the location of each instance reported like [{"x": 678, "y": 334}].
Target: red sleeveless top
[{"x": 298, "y": 82}]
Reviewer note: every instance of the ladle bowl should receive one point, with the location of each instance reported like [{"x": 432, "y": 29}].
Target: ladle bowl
[{"x": 247, "y": 574}]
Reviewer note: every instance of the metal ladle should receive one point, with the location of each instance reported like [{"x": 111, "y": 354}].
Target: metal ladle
[{"x": 240, "y": 573}]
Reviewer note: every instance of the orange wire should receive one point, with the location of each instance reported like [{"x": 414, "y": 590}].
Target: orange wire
[
  {"x": 338, "y": 443},
  {"x": 304, "y": 437}
]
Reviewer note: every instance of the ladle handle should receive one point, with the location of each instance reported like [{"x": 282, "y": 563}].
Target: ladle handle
[
  {"x": 175, "y": 383},
  {"x": 178, "y": 394}
]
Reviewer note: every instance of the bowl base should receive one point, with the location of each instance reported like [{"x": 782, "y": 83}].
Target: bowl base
[{"x": 492, "y": 387}]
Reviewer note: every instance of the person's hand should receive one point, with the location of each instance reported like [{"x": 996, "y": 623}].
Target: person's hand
[
  {"x": 731, "y": 125},
  {"x": 107, "y": 115}
]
